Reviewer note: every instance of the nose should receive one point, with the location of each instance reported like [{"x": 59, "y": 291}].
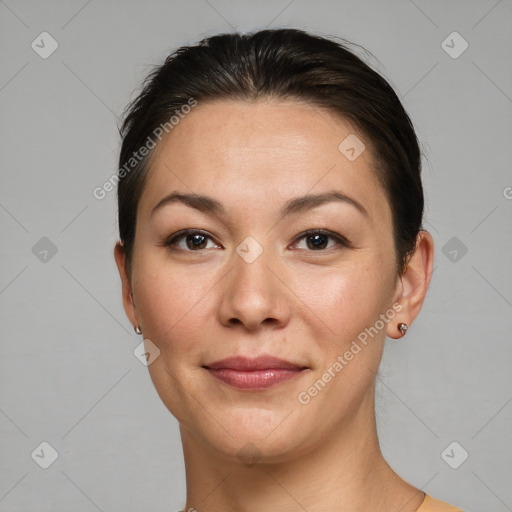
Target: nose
[{"x": 254, "y": 294}]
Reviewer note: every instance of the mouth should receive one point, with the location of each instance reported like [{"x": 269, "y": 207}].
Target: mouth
[{"x": 254, "y": 373}]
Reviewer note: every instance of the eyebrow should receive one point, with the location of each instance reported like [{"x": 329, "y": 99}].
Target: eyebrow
[{"x": 296, "y": 205}]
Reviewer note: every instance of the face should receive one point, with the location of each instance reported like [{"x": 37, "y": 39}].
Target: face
[{"x": 289, "y": 255}]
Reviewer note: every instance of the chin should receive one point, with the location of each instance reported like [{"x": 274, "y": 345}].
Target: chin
[{"x": 254, "y": 436}]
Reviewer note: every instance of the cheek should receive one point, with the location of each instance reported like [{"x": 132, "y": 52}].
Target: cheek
[
  {"x": 167, "y": 298},
  {"x": 347, "y": 333},
  {"x": 171, "y": 304},
  {"x": 347, "y": 299}
]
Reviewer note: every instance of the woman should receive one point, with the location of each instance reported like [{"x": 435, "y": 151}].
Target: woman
[{"x": 270, "y": 210}]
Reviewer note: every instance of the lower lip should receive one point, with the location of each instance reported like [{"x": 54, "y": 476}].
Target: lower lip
[{"x": 253, "y": 379}]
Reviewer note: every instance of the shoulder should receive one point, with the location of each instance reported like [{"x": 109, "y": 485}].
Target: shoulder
[{"x": 430, "y": 504}]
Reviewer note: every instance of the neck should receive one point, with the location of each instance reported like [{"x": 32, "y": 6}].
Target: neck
[{"x": 346, "y": 472}]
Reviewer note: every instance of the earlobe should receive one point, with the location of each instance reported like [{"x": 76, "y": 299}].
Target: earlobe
[
  {"x": 414, "y": 283},
  {"x": 127, "y": 293}
]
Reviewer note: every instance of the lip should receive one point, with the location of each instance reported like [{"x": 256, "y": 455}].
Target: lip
[{"x": 254, "y": 373}]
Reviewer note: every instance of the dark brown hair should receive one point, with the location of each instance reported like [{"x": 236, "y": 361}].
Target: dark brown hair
[{"x": 279, "y": 64}]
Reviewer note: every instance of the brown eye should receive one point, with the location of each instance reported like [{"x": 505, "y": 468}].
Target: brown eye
[
  {"x": 189, "y": 240},
  {"x": 195, "y": 241},
  {"x": 318, "y": 240}
]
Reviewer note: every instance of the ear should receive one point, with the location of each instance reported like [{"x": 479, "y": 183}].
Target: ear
[
  {"x": 128, "y": 302},
  {"x": 413, "y": 284}
]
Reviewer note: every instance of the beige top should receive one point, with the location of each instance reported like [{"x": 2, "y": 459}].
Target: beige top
[{"x": 430, "y": 504}]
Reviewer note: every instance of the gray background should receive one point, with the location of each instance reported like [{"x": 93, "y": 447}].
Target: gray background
[{"x": 68, "y": 373}]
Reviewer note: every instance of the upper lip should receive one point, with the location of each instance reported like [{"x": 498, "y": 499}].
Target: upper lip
[{"x": 263, "y": 362}]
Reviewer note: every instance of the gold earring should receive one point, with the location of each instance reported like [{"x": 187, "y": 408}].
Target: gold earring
[{"x": 137, "y": 329}]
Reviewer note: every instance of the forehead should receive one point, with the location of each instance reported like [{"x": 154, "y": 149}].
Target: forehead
[{"x": 258, "y": 152}]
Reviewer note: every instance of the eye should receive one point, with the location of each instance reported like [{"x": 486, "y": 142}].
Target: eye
[
  {"x": 189, "y": 240},
  {"x": 318, "y": 239}
]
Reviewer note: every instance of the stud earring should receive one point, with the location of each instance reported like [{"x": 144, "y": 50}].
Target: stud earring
[
  {"x": 137, "y": 329},
  {"x": 403, "y": 328}
]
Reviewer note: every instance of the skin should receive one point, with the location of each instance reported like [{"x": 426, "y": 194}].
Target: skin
[{"x": 301, "y": 304}]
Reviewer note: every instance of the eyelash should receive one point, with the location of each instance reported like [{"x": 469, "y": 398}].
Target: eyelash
[{"x": 171, "y": 242}]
